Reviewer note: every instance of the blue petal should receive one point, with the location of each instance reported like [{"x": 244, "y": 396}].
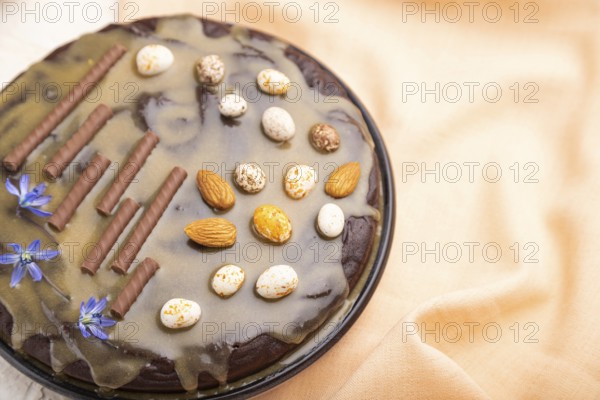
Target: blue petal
[
  {"x": 107, "y": 322},
  {"x": 98, "y": 332},
  {"x": 99, "y": 307},
  {"x": 90, "y": 304},
  {"x": 39, "y": 189},
  {"x": 24, "y": 183},
  {"x": 84, "y": 331},
  {"x": 27, "y": 198},
  {"x": 34, "y": 271},
  {"x": 46, "y": 255},
  {"x": 94, "y": 319},
  {"x": 17, "y": 275},
  {"x": 39, "y": 213},
  {"x": 34, "y": 247},
  {"x": 9, "y": 258},
  {"x": 15, "y": 247},
  {"x": 40, "y": 201},
  {"x": 11, "y": 188}
]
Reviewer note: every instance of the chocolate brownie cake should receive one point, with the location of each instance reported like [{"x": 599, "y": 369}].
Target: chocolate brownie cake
[{"x": 186, "y": 202}]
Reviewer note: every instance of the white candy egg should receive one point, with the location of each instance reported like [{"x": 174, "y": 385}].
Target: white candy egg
[
  {"x": 154, "y": 59},
  {"x": 180, "y": 313},
  {"x": 272, "y": 81},
  {"x": 278, "y": 124},
  {"x": 228, "y": 280},
  {"x": 330, "y": 220},
  {"x": 276, "y": 282}
]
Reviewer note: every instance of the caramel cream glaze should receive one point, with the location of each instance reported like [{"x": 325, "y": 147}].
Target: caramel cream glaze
[{"x": 192, "y": 135}]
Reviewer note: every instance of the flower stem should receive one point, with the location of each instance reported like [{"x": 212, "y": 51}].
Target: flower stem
[
  {"x": 110, "y": 344},
  {"x": 60, "y": 292},
  {"x": 40, "y": 227}
]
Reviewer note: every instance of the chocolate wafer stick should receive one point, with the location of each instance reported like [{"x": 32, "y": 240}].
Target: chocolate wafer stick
[
  {"x": 134, "y": 287},
  {"x": 149, "y": 220},
  {"x": 96, "y": 256},
  {"x": 17, "y": 156},
  {"x": 128, "y": 172},
  {"x": 86, "y": 132},
  {"x": 88, "y": 178}
]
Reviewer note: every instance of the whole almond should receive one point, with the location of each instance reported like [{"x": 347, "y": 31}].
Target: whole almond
[
  {"x": 212, "y": 232},
  {"x": 215, "y": 191},
  {"x": 343, "y": 180}
]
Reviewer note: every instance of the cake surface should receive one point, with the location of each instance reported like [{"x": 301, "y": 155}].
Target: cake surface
[{"x": 235, "y": 336}]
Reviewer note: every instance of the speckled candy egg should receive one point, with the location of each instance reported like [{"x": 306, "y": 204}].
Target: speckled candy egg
[
  {"x": 250, "y": 177},
  {"x": 272, "y": 224},
  {"x": 154, "y": 59},
  {"x": 278, "y": 124},
  {"x": 330, "y": 221},
  {"x": 210, "y": 70},
  {"x": 299, "y": 181},
  {"x": 233, "y": 105},
  {"x": 276, "y": 282},
  {"x": 324, "y": 137},
  {"x": 228, "y": 280},
  {"x": 180, "y": 313}
]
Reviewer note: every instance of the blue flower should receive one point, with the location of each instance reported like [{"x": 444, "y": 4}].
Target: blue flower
[
  {"x": 25, "y": 261},
  {"x": 91, "y": 320},
  {"x": 30, "y": 200}
]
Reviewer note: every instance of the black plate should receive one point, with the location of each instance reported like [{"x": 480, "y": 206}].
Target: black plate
[{"x": 65, "y": 386}]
